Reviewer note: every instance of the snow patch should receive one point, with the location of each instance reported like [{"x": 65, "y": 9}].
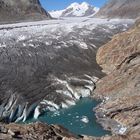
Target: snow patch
[
  {"x": 85, "y": 92},
  {"x": 106, "y": 98},
  {"x": 83, "y": 45},
  {"x": 56, "y": 14},
  {"x": 70, "y": 102},
  {"x": 36, "y": 112},
  {"x": 21, "y": 38},
  {"x": 89, "y": 87},
  {"x": 52, "y": 104},
  {"x": 122, "y": 130}
]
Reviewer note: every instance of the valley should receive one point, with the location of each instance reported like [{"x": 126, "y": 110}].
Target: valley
[
  {"x": 70, "y": 74},
  {"x": 51, "y": 66}
]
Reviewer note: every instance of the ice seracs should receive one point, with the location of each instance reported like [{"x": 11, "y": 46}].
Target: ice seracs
[{"x": 36, "y": 112}]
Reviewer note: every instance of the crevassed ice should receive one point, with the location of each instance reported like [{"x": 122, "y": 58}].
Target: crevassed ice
[
  {"x": 51, "y": 104},
  {"x": 21, "y": 37}
]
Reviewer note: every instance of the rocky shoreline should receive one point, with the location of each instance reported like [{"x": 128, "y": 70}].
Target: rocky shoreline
[
  {"x": 34, "y": 131},
  {"x": 120, "y": 89}
]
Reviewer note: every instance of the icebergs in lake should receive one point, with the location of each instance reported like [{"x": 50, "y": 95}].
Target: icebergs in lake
[{"x": 85, "y": 119}]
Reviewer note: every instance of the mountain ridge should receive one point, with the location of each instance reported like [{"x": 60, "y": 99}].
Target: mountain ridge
[
  {"x": 120, "y": 9},
  {"x": 21, "y": 10},
  {"x": 120, "y": 88},
  {"x": 75, "y": 10}
]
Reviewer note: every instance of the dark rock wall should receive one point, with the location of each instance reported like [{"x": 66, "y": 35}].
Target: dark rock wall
[{"x": 21, "y": 10}]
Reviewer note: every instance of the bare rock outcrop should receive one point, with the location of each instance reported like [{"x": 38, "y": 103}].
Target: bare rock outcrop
[
  {"x": 121, "y": 48},
  {"x": 40, "y": 131},
  {"x": 35, "y": 131},
  {"x": 120, "y": 89},
  {"x": 120, "y": 9},
  {"x": 21, "y": 10}
]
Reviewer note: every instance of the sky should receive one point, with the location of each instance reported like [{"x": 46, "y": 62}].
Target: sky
[{"x": 50, "y": 5}]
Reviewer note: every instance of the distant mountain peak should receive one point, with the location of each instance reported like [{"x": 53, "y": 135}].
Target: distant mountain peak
[{"x": 76, "y": 10}]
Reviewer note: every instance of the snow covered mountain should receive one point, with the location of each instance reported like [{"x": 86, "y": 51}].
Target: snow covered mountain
[{"x": 76, "y": 10}]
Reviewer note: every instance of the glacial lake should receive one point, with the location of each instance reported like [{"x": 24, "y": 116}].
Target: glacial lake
[{"x": 79, "y": 119}]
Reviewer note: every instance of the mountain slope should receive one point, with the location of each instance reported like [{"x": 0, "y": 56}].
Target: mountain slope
[
  {"x": 75, "y": 10},
  {"x": 120, "y": 89},
  {"x": 120, "y": 9},
  {"x": 21, "y": 10}
]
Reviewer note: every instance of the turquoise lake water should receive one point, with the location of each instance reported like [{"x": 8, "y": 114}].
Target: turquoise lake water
[{"x": 79, "y": 119}]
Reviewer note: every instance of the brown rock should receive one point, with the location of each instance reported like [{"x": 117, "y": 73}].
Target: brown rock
[
  {"x": 35, "y": 131},
  {"x": 120, "y": 89},
  {"x": 120, "y": 48},
  {"x": 120, "y": 9}
]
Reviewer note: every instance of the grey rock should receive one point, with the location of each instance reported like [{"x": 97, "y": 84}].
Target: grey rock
[
  {"x": 21, "y": 10},
  {"x": 120, "y": 9}
]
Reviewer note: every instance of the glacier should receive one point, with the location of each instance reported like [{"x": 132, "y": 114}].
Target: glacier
[{"x": 49, "y": 65}]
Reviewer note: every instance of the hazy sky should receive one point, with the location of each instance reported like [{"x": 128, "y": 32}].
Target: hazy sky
[{"x": 61, "y": 4}]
